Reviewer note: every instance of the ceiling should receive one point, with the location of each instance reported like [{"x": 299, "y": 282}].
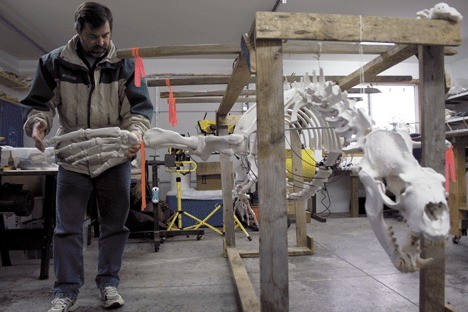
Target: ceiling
[{"x": 30, "y": 28}]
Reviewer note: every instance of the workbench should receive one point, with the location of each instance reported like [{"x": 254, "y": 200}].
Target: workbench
[{"x": 32, "y": 239}]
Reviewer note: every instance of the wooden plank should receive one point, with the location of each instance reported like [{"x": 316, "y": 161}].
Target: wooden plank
[
  {"x": 298, "y": 183},
  {"x": 14, "y": 81},
  {"x": 323, "y": 48},
  {"x": 292, "y": 252},
  {"x": 248, "y": 301},
  {"x": 354, "y": 195},
  {"x": 213, "y": 100},
  {"x": 227, "y": 187},
  {"x": 274, "y": 288},
  {"x": 239, "y": 78},
  {"x": 181, "y": 94},
  {"x": 234, "y": 48},
  {"x": 352, "y": 28},
  {"x": 457, "y": 193},
  {"x": 189, "y": 81},
  {"x": 182, "y": 50},
  {"x": 431, "y": 94},
  {"x": 381, "y": 63},
  {"x": 215, "y": 80}
]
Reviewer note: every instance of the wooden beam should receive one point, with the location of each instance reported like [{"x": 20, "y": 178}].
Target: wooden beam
[
  {"x": 239, "y": 79},
  {"x": 274, "y": 288},
  {"x": 246, "y": 296},
  {"x": 213, "y": 100},
  {"x": 431, "y": 95},
  {"x": 189, "y": 81},
  {"x": 321, "y": 48},
  {"x": 14, "y": 81},
  {"x": 215, "y": 80},
  {"x": 388, "y": 59},
  {"x": 179, "y": 94},
  {"x": 349, "y": 28},
  {"x": 234, "y": 48},
  {"x": 292, "y": 251},
  {"x": 182, "y": 50}
]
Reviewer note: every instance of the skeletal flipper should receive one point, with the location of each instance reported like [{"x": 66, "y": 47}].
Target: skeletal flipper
[{"x": 100, "y": 149}]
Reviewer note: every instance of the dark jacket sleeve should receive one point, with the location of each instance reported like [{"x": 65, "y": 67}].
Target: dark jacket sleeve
[
  {"x": 140, "y": 109},
  {"x": 35, "y": 104}
]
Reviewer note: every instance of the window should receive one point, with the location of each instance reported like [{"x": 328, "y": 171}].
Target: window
[{"x": 394, "y": 106}]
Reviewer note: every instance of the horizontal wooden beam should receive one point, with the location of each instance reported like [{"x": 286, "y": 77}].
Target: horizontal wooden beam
[
  {"x": 353, "y": 28},
  {"x": 14, "y": 81},
  {"x": 321, "y": 48},
  {"x": 218, "y": 99},
  {"x": 383, "y": 62},
  {"x": 215, "y": 80},
  {"x": 165, "y": 94},
  {"x": 189, "y": 81},
  {"x": 182, "y": 50}
]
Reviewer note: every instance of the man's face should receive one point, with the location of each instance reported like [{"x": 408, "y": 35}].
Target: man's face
[{"x": 96, "y": 41}]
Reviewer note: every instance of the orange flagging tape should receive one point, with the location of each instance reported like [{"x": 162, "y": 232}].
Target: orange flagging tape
[
  {"x": 139, "y": 68},
  {"x": 143, "y": 175},
  {"x": 449, "y": 168},
  {"x": 172, "y": 105}
]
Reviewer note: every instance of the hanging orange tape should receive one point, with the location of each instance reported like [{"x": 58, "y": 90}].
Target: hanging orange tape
[
  {"x": 449, "y": 168},
  {"x": 172, "y": 105},
  {"x": 139, "y": 68},
  {"x": 143, "y": 175}
]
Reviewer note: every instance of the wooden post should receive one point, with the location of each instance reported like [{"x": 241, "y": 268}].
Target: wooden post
[
  {"x": 274, "y": 288},
  {"x": 299, "y": 206},
  {"x": 226, "y": 180},
  {"x": 431, "y": 93}
]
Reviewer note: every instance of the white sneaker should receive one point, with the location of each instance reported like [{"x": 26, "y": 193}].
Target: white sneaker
[
  {"x": 63, "y": 304},
  {"x": 110, "y": 298}
]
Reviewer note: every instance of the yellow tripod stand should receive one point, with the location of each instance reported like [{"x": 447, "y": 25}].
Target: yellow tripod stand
[
  {"x": 217, "y": 207},
  {"x": 177, "y": 216},
  {"x": 180, "y": 169}
]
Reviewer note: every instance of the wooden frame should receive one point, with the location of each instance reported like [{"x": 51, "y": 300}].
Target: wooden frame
[
  {"x": 426, "y": 38},
  {"x": 269, "y": 32}
]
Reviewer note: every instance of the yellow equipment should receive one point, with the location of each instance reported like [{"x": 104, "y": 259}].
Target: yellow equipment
[
  {"x": 181, "y": 169},
  {"x": 308, "y": 164}
]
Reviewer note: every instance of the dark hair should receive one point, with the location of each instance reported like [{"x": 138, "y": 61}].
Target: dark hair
[{"x": 92, "y": 13}]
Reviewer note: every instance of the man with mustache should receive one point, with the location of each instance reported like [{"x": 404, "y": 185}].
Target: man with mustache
[{"x": 89, "y": 87}]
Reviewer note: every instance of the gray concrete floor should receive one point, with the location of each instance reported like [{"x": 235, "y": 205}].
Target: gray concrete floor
[{"x": 348, "y": 272}]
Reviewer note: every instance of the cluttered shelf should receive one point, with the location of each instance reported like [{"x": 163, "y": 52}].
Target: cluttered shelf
[{"x": 457, "y": 98}]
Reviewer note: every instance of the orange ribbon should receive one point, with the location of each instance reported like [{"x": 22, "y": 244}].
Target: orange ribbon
[
  {"x": 139, "y": 68},
  {"x": 143, "y": 175},
  {"x": 172, "y": 105},
  {"x": 449, "y": 168}
]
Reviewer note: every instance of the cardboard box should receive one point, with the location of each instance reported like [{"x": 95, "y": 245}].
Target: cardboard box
[{"x": 209, "y": 176}]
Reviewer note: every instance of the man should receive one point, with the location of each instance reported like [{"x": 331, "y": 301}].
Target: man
[{"x": 89, "y": 87}]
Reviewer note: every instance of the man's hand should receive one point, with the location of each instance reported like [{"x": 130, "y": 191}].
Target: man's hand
[
  {"x": 38, "y": 134},
  {"x": 133, "y": 150}
]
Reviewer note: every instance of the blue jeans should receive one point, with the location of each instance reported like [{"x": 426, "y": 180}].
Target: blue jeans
[{"x": 112, "y": 191}]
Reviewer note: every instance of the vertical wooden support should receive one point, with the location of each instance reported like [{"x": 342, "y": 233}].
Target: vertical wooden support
[
  {"x": 431, "y": 93},
  {"x": 457, "y": 196},
  {"x": 227, "y": 187},
  {"x": 274, "y": 288},
  {"x": 299, "y": 206},
  {"x": 354, "y": 194}
]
